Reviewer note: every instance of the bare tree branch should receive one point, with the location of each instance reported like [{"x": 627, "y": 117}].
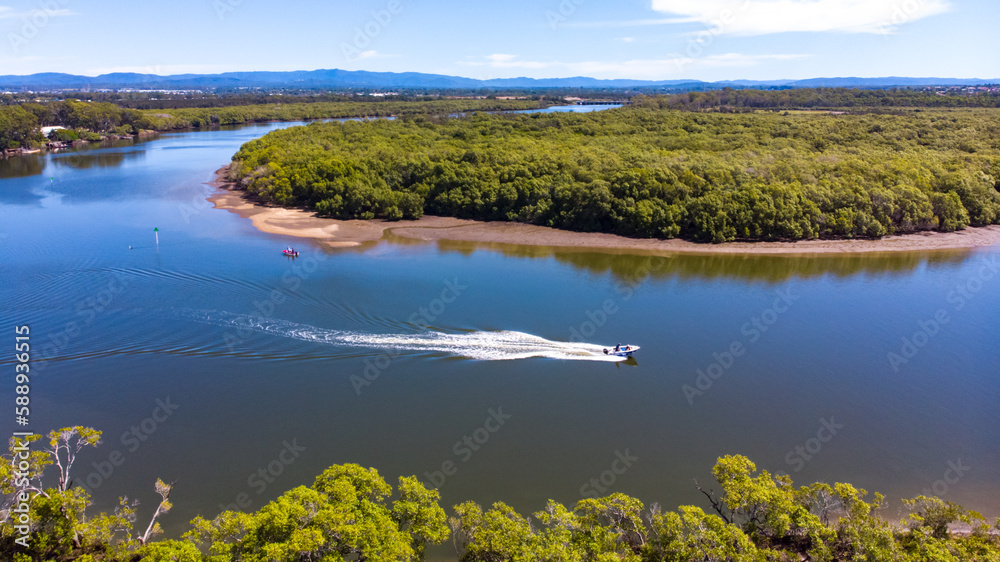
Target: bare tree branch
[
  {"x": 716, "y": 505},
  {"x": 164, "y": 490}
]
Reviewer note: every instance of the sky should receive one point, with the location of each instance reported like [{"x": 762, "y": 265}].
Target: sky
[{"x": 638, "y": 39}]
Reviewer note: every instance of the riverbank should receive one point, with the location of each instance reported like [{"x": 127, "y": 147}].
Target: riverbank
[{"x": 340, "y": 233}]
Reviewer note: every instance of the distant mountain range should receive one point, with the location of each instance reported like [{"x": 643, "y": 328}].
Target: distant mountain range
[{"x": 360, "y": 79}]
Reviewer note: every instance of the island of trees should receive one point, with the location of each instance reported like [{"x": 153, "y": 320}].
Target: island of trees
[
  {"x": 352, "y": 513},
  {"x": 711, "y": 166},
  {"x": 648, "y": 170}
]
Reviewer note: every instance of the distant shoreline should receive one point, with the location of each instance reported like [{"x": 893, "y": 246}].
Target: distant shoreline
[{"x": 335, "y": 233}]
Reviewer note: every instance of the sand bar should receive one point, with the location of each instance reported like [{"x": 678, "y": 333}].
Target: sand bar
[{"x": 339, "y": 233}]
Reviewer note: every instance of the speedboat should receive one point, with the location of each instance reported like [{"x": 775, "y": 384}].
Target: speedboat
[
  {"x": 291, "y": 253},
  {"x": 622, "y": 350}
]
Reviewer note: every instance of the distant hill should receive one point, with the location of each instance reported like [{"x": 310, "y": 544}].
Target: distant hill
[{"x": 360, "y": 79}]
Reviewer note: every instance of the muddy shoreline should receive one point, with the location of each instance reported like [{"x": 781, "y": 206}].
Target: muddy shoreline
[{"x": 339, "y": 233}]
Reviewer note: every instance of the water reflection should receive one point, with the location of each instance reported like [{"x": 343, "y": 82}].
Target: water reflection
[
  {"x": 634, "y": 267},
  {"x": 99, "y": 159},
  {"x": 21, "y": 166},
  {"x": 103, "y": 154}
]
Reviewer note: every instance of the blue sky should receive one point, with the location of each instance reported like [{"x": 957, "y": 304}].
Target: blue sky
[{"x": 644, "y": 39}]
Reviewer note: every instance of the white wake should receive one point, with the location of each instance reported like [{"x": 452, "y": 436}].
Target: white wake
[{"x": 480, "y": 345}]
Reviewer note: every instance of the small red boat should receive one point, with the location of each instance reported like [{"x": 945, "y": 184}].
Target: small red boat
[{"x": 291, "y": 252}]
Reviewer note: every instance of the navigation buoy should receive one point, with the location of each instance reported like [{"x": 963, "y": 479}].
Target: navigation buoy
[{"x": 156, "y": 232}]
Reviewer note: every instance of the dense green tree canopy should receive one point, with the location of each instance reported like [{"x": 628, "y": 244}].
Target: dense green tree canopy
[
  {"x": 202, "y": 117},
  {"x": 351, "y": 513},
  {"x": 842, "y": 98},
  {"x": 17, "y": 126},
  {"x": 645, "y": 171}
]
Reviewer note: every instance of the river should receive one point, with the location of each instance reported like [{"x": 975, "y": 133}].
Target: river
[{"x": 211, "y": 360}]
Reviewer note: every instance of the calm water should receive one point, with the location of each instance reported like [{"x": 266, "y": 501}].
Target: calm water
[{"x": 390, "y": 355}]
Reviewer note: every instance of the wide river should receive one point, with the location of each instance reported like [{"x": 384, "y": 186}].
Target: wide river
[{"x": 211, "y": 360}]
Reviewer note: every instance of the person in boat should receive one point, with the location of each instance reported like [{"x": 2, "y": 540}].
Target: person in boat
[{"x": 618, "y": 347}]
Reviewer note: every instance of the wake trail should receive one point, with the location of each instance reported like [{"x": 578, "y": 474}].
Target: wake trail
[{"x": 479, "y": 345}]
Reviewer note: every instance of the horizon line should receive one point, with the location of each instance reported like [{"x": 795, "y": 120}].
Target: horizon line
[{"x": 651, "y": 81}]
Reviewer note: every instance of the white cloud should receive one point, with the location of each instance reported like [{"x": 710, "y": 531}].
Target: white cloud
[
  {"x": 629, "y": 23},
  {"x": 762, "y": 17},
  {"x": 14, "y": 61},
  {"x": 676, "y": 66},
  {"x": 505, "y": 61},
  {"x": 641, "y": 69},
  {"x": 500, "y": 58},
  {"x": 6, "y": 12}
]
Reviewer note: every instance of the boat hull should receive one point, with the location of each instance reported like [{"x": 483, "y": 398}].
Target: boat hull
[{"x": 623, "y": 352}]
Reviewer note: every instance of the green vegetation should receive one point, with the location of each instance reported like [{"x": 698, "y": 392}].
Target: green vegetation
[
  {"x": 162, "y": 120},
  {"x": 93, "y": 117},
  {"x": 17, "y": 127},
  {"x": 647, "y": 171},
  {"x": 843, "y": 98},
  {"x": 346, "y": 514},
  {"x": 89, "y": 120}
]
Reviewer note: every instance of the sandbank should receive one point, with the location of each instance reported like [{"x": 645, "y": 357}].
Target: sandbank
[{"x": 340, "y": 233}]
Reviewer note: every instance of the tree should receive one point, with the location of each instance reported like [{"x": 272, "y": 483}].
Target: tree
[
  {"x": 346, "y": 515},
  {"x": 612, "y": 524},
  {"x": 767, "y": 508},
  {"x": 861, "y": 534},
  {"x": 650, "y": 171},
  {"x": 497, "y": 535},
  {"x": 694, "y": 535},
  {"x": 64, "y": 446},
  {"x": 59, "y": 525},
  {"x": 936, "y": 515},
  {"x": 17, "y": 127},
  {"x": 418, "y": 513},
  {"x": 154, "y": 528},
  {"x": 343, "y": 515}
]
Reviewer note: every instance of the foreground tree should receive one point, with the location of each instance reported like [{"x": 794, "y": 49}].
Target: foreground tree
[
  {"x": 347, "y": 514},
  {"x": 344, "y": 515},
  {"x": 692, "y": 534},
  {"x": 59, "y": 525}
]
